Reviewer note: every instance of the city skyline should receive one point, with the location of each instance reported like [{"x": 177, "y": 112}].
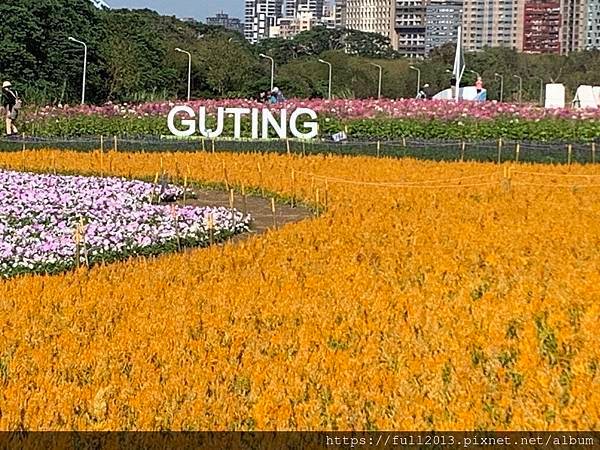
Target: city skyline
[{"x": 199, "y": 9}]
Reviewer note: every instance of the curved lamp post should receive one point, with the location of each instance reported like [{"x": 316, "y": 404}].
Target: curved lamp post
[
  {"x": 520, "y": 87},
  {"x": 330, "y": 76},
  {"x": 262, "y": 55},
  {"x": 189, "y": 82},
  {"x": 380, "y": 77},
  {"x": 418, "y": 77},
  {"x": 496, "y": 76},
  {"x": 77, "y": 41}
]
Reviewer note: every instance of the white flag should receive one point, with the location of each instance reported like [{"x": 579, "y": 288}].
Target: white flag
[{"x": 459, "y": 62}]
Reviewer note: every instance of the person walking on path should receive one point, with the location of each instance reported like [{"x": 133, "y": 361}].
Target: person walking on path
[{"x": 11, "y": 104}]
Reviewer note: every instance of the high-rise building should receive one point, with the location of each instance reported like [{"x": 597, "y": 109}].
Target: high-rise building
[
  {"x": 223, "y": 20},
  {"x": 541, "y": 26},
  {"x": 410, "y": 27},
  {"x": 574, "y": 23},
  {"x": 292, "y": 8},
  {"x": 328, "y": 19},
  {"x": 340, "y": 14},
  {"x": 442, "y": 19},
  {"x": 592, "y": 39},
  {"x": 260, "y": 16},
  {"x": 288, "y": 27},
  {"x": 373, "y": 16},
  {"x": 492, "y": 23}
]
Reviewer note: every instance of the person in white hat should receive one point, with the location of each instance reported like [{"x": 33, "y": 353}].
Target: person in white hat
[{"x": 11, "y": 104}]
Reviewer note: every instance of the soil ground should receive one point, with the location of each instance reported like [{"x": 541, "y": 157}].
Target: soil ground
[{"x": 259, "y": 209}]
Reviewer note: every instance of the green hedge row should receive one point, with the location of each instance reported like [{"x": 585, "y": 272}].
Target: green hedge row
[{"x": 547, "y": 130}]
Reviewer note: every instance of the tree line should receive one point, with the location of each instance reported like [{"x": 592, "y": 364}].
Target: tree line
[{"x": 132, "y": 57}]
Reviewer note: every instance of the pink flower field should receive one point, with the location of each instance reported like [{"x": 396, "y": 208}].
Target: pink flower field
[{"x": 344, "y": 109}]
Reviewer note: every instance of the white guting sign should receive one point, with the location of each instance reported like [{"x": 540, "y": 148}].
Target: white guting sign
[{"x": 262, "y": 121}]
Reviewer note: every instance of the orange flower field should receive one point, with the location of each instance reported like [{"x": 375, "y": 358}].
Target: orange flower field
[{"x": 425, "y": 295}]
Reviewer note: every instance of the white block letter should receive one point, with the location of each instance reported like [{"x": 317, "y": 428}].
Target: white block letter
[
  {"x": 189, "y": 123},
  {"x": 269, "y": 119},
  {"x": 202, "y": 123},
  {"x": 312, "y": 126},
  {"x": 237, "y": 114}
]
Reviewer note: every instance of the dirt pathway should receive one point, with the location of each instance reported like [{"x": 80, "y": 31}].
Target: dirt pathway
[{"x": 259, "y": 209}]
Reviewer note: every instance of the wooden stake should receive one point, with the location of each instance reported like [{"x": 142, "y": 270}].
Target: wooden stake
[
  {"x": 499, "y": 150},
  {"x": 211, "y": 229},
  {"x": 116, "y": 144},
  {"x": 303, "y": 148},
  {"x": 244, "y": 202},
  {"x": 156, "y": 186},
  {"x": 77, "y": 238},
  {"x": 403, "y": 142},
  {"x": 517, "y": 151},
  {"x": 260, "y": 180},
  {"x": 85, "y": 252},
  {"x": 176, "y": 222},
  {"x": 101, "y": 143},
  {"x": 185, "y": 185},
  {"x": 293, "y": 188},
  {"x": 462, "y": 151},
  {"x": 569, "y": 153},
  {"x": 101, "y": 163},
  {"x": 203, "y": 145},
  {"x": 213, "y": 145},
  {"x": 23, "y": 154},
  {"x": 378, "y": 148},
  {"x": 274, "y": 213},
  {"x": 593, "y": 152},
  {"x": 287, "y": 145},
  {"x": 225, "y": 176},
  {"x": 231, "y": 204}
]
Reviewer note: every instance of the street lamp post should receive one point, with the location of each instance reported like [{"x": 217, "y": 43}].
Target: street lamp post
[
  {"x": 262, "y": 55},
  {"x": 497, "y": 75},
  {"x": 189, "y": 82},
  {"x": 380, "y": 77},
  {"x": 72, "y": 39},
  {"x": 520, "y": 87},
  {"x": 418, "y": 78},
  {"x": 330, "y": 76}
]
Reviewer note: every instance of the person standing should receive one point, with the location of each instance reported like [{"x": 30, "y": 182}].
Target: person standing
[
  {"x": 479, "y": 85},
  {"x": 11, "y": 104}
]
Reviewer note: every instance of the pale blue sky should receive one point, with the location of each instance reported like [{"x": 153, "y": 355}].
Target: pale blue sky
[{"x": 198, "y": 9}]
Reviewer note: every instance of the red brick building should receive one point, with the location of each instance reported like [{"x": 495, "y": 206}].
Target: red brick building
[{"x": 541, "y": 27}]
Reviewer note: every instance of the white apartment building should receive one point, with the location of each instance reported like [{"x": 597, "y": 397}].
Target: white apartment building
[
  {"x": 373, "y": 16},
  {"x": 260, "y": 16},
  {"x": 492, "y": 23},
  {"x": 593, "y": 25}
]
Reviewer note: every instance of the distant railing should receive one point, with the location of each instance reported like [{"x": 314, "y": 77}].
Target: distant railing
[{"x": 440, "y": 150}]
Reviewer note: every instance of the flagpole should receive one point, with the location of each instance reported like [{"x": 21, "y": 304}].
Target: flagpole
[{"x": 458, "y": 67}]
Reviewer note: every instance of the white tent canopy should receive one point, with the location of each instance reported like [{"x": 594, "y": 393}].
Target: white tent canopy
[{"x": 585, "y": 97}]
